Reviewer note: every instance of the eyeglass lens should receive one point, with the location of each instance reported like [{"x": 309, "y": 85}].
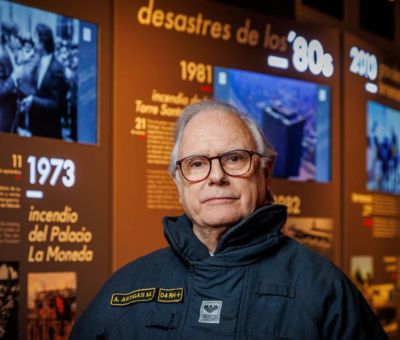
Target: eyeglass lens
[{"x": 234, "y": 163}]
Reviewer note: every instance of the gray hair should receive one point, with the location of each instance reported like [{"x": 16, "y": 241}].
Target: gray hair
[{"x": 263, "y": 147}]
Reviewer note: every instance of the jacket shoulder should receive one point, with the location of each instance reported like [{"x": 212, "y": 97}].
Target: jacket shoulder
[
  {"x": 311, "y": 273},
  {"x": 330, "y": 298},
  {"x": 146, "y": 269},
  {"x": 55, "y": 65}
]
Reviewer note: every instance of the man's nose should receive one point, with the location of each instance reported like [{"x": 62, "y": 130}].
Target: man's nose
[{"x": 217, "y": 174}]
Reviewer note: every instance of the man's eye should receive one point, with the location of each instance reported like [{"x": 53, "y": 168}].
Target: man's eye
[
  {"x": 234, "y": 159},
  {"x": 197, "y": 164}
]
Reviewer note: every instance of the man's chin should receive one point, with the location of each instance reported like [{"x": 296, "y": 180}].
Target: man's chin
[{"x": 219, "y": 220}]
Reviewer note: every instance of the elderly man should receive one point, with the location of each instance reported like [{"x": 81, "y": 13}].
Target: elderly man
[{"x": 229, "y": 273}]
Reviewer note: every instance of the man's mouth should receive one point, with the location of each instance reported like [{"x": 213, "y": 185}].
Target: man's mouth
[{"x": 220, "y": 199}]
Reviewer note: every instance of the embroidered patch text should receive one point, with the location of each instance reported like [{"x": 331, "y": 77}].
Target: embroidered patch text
[
  {"x": 140, "y": 295},
  {"x": 170, "y": 295}
]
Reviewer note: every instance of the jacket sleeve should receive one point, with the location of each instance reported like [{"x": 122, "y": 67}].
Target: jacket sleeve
[
  {"x": 350, "y": 317},
  {"x": 90, "y": 325},
  {"x": 55, "y": 94},
  {"x": 99, "y": 317},
  {"x": 7, "y": 87}
]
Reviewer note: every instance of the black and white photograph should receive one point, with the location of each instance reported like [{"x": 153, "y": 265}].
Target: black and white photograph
[{"x": 48, "y": 75}]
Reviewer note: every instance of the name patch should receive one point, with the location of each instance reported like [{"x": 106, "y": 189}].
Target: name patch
[
  {"x": 170, "y": 295},
  {"x": 140, "y": 295}
]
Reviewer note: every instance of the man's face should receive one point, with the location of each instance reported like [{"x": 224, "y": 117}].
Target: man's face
[
  {"x": 38, "y": 44},
  {"x": 28, "y": 47},
  {"x": 220, "y": 200},
  {"x": 14, "y": 42}
]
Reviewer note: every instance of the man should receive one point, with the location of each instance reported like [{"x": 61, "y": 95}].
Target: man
[
  {"x": 229, "y": 272},
  {"x": 10, "y": 73},
  {"x": 49, "y": 103},
  {"x": 27, "y": 51}
]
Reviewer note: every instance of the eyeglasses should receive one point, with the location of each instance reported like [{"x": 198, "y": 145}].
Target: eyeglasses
[{"x": 234, "y": 163}]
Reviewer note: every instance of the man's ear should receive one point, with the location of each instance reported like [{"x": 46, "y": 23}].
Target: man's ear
[
  {"x": 268, "y": 173},
  {"x": 176, "y": 181}
]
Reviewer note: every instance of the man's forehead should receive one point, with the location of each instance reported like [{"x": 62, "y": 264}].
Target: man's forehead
[
  {"x": 215, "y": 120},
  {"x": 215, "y": 131}
]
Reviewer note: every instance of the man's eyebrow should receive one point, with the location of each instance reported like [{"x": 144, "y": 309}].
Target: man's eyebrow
[
  {"x": 192, "y": 155},
  {"x": 207, "y": 155}
]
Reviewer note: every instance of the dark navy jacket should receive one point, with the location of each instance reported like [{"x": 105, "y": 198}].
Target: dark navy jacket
[{"x": 260, "y": 285}]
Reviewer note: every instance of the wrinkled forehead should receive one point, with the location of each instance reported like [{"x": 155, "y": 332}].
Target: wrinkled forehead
[{"x": 213, "y": 132}]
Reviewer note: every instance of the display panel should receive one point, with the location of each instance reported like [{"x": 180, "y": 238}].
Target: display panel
[
  {"x": 371, "y": 216},
  {"x": 294, "y": 116},
  {"x": 48, "y": 75},
  {"x": 383, "y": 131},
  {"x": 55, "y": 196}
]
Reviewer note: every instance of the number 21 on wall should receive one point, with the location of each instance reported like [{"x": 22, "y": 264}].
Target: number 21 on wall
[{"x": 44, "y": 166}]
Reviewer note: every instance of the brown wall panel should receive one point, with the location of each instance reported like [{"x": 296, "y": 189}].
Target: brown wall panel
[{"x": 371, "y": 201}]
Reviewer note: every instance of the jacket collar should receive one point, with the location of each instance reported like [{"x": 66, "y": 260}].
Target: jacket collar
[{"x": 243, "y": 244}]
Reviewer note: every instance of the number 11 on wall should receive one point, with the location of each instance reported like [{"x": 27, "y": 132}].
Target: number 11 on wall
[{"x": 17, "y": 161}]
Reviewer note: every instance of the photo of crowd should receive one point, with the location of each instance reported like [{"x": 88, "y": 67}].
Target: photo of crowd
[
  {"x": 383, "y": 132},
  {"x": 42, "y": 82}
]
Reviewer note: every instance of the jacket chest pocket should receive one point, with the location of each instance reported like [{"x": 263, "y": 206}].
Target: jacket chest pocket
[
  {"x": 274, "y": 310},
  {"x": 277, "y": 298},
  {"x": 163, "y": 320},
  {"x": 276, "y": 290}
]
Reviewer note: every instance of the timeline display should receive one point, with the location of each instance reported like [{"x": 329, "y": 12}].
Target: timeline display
[{"x": 371, "y": 188}]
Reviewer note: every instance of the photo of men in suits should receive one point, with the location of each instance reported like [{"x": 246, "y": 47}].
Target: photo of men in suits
[
  {"x": 47, "y": 106},
  {"x": 40, "y": 64}
]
